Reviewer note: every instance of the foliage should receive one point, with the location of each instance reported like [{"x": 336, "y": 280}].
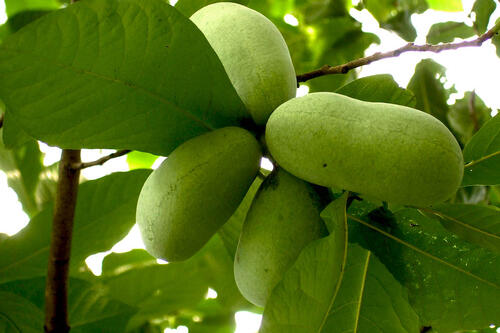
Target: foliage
[{"x": 137, "y": 74}]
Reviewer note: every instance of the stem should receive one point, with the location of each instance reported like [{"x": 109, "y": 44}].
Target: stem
[
  {"x": 56, "y": 288},
  {"x": 410, "y": 47},
  {"x": 101, "y": 161}
]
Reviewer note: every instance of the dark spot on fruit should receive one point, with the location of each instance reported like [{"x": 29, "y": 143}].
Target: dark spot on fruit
[
  {"x": 324, "y": 165},
  {"x": 266, "y": 270}
]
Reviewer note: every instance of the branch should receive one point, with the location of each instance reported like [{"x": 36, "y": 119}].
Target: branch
[
  {"x": 410, "y": 47},
  {"x": 100, "y": 161},
  {"x": 56, "y": 287}
]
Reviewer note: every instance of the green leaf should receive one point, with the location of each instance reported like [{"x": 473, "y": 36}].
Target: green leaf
[
  {"x": 483, "y": 10},
  {"x": 482, "y": 155},
  {"x": 139, "y": 71},
  {"x": 370, "y": 299},
  {"x": 345, "y": 44},
  {"x": 22, "y": 167},
  {"x": 217, "y": 267},
  {"x": 89, "y": 307},
  {"x": 17, "y": 314},
  {"x": 396, "y": 15},
  {"x": 427, "y": 87},
  {"x": 13, "y": 7},
  {"x": 231, "y": 230},
  {"x": 452, "y": 284},
  {"x": 378, "y": 88},
  {"x": 140, "y": 160},
  {"x": 466, "y": 118},
  {"x": 302, "y": 300},
  {"x": 93, "y": 310},
  {"x": 157, "y": 290},
  {"x": 117, "y": 263},
  {"x": 477, "y": 224},
  {"x": 402, "y": 25},
  {"x": 105, "y": 212},
  {"x": 446, "y": 5},
  {"x": 189, "y": 7},
  {"x": 446, "y": 32}
]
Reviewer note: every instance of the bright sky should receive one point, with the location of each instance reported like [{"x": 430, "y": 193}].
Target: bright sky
[{"x": 468, "y": 69}]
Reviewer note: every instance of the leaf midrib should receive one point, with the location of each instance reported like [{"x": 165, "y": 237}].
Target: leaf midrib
[
  {"x": 416, "y": 249},
  {"x": 465, "y": 225},
  {"x": 362, "y": 290},
  {"x": 132, "y": 86}
]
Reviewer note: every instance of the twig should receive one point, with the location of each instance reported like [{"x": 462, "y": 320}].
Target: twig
[
  {"x": 2, "y": 116},
  {"x": 100, "y": 161},
  {"x": 472, "y": 110},
  {"x": 56, "y": 288},
  {"x": 410, "y": 47}
]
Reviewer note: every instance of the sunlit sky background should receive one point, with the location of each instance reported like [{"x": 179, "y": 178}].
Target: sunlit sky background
[{"x": 468, "y": 69}]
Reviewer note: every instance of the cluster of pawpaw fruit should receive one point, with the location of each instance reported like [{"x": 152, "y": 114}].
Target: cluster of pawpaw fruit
[{"x": 383, "y": 151}]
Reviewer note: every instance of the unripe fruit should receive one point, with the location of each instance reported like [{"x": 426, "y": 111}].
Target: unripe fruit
[
  {"x": 195, "y": 191},
  {"x": 282, "y": 220},
  {"x": 388, "y": 152},
  {"x": 254, "y": 54}
]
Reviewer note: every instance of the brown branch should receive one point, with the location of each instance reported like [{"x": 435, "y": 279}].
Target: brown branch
[
  {"x": 472, "y": 110},
  {"x": 56, "y": 287},
  {"x": 410, "y": 47},
  {"x": 100, "y": 161}
]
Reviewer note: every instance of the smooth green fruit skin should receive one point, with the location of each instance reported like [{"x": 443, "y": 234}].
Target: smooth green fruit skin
[
  {"x": 254, "y": 54},
  {"x": 283, "y": 218},
  {"x": 195, "y": 191},
  {"x": 385, "y": 151}
]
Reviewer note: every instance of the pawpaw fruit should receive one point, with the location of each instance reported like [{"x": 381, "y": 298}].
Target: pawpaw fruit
[
  {"x": 195, "y": 191},
  {"x": 283, "y": 218},
  {"x": 253, "y": 53},
  {"x": 388, "y": 152}
]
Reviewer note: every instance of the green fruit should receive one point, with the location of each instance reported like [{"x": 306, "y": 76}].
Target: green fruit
[
  {"x": 282, "y": 220},
  {"x": 389, "y": 152},
  {"x": 254, "y": 54},
  {"x": 195, "y": 191}
]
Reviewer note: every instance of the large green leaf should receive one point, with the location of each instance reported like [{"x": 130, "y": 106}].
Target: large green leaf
[
  {"x": 482, "y": 155},
  {"x": 18, "y": 315},
  {"x": 483, "y": 10},
  {"x": 378, "y": 88},
  {"x": 138, "y": 71},
  {"x": 217, "y": 267},
  {"x": 22, "y": 167},
  {"x": 446, "y": 5},
  {"x": 452, "y": 284},
  {"x": 158, "y": 290},
  {"x": 302, "y": 300},
  {"x": 370, "y": 299},
  {"x": 90, "y": 308},
  {"x": 13, "y": 7},
  {"x": 446, "y": 32},
  {"x": 466, "y": 118},
  {"x": 189, "y": 7},
  {"x": 231, "y": 230},
  {"x": 427, "y": 87},
  {"x": 476, "y": 224},
  {"x": 105, "y": 212}
]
